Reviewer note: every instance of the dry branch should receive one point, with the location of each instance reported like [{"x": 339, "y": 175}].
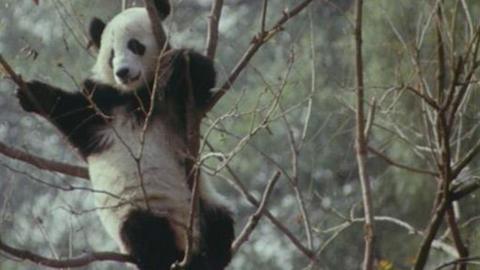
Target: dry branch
[
  {"x": 399, "y": 165},
  {"x": 256, "y": 44},
  {"x": 156, "y": 22},
  {"x": 79, "y": 261},
  {"x": 39, "y": 162},
  {"x": 255, "y": 218},
  {"x": 42, "y": 163},
  {"x": 212, "y": 35},
  {"x": 436, "y": 221},
  {"x": 14, "y": 76},
  {"x": 361, "y": 144}
]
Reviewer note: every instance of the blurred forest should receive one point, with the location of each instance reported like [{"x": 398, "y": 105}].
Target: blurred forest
[{"x": 291, "y": 111}]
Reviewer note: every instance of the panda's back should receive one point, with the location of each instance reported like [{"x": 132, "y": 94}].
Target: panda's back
[{"x": 138, "y": 177}]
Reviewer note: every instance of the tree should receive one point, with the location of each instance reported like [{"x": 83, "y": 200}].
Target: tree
[{"x": 281, "y": 142}]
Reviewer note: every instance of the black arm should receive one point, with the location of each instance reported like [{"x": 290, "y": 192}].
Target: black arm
[
  {"x": 72, "y": 113},
  {"x": 199, "y": 74}
]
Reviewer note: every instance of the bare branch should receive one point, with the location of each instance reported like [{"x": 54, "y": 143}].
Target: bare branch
[
  {"x": 459, "y": 261},
  {"x": 14, "y": 76},
  {"x": 240, "y": 187},
  {"x": 436, "y": 221},
  {"x": 264, "y": 16},
  {"x": 79, "y": 261},
  {"x": 256, "y": 44},
  {"x": 213, "y": 22},
  {"x": 396, "y": 164},
  {"x": 361, "y": 144},
  {"x": 255, "y": 218},
  {"x": 191, "y": 168},
  {"x": 44, "y": 164},
  {"x": 156, "y": 22}
]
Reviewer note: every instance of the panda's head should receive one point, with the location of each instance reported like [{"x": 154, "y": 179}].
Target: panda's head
[{"x": 127, "y": 49}]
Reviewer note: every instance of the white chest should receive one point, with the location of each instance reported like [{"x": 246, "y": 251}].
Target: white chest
[{"x": 140, "y": 169}]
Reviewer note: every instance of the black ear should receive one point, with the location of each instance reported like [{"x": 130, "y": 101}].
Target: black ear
[
  {"x": 163, "y": 8},
  {"x": 96, "y": 29}
]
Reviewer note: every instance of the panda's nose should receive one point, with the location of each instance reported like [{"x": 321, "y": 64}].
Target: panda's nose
[{"x": 123, "y": 73}]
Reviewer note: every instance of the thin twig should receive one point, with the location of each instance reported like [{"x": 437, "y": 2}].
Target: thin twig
[
  {"x": 458, "y": 261},
  {"x": 240, "y": 187},
  {"x": 14, "y": 76},
  {"x": 255, "y": 218},
  {"x": 399, "y": 165},
  {"x": 192, "y": 169},
  {"x": 264, "y": 16}
]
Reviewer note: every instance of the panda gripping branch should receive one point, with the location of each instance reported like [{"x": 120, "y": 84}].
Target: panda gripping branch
[{"x": 133, "y": 139}]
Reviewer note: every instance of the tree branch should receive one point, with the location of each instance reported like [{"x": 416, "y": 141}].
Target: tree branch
[
  {"x": 256, "y": 44},
  {"x": 44, "y": 164},
  {"x": 213, "y": 22},
  {"x": 38, "y": 162},
  {"x": 14, "y": 76},
  {"x": 436, "y": 221},
  {"x": 361, "y": 144},
  {"x": 401, "y": 166},
  {"x": 156, "y": 20},
  {"x": 255, "y": 218},
  {"x": 79, "y": 261}
]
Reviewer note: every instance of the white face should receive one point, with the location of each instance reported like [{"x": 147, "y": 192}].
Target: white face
[{"x": 128, "y": 51}]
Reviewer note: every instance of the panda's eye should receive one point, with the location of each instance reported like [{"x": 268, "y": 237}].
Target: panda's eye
[
  {"x": 136, "y": 47},
  {"x": 110, "y": 60}
]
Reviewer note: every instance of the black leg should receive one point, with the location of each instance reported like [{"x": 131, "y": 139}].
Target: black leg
[
  {"x": 218, "y": 235},
  {"x": 150, "y": 240}
]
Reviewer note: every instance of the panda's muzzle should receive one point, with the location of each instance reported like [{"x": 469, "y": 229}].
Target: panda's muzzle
[{"x": 124, "y": 75}]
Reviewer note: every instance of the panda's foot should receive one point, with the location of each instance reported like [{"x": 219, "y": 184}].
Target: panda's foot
[
  {"x": 150, "y": 240},
  {"x": 218, "y": 234}
]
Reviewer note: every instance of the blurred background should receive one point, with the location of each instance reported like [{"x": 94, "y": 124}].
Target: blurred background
[{"x": 291, "y": 110}]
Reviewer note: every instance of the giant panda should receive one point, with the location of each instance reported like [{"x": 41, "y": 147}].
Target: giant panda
[{"x": 133, "y": 139}]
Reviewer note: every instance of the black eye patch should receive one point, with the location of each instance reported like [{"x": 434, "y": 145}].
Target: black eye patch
[
  {"x": 136, "y": 47},
  {"x": 110, "y": 60}
]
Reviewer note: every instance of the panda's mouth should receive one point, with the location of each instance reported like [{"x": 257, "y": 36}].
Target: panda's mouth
[{"x": 131, "y": 79}]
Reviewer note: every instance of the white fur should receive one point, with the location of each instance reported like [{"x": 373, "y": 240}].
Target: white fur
[
  {"x": 131, "y": 23},
  {"x": 163, "y": 177}
]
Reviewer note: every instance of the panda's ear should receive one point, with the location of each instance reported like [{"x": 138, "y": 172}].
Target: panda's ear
[
  {"x": 163, "y": 7},
  {"x": 96, "y": 29}
]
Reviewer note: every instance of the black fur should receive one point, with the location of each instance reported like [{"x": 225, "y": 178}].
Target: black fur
[
  {"x": 217, "y": 232},
  {"x": 163, "y": 8},
  {"x": 95, "y": 30},
  {"x": 150, "y": 240},
  {"x": 202, "y": 76},
  {"x": 80, "y": 115}
]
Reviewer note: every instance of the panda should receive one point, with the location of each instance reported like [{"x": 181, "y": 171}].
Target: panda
[{"x": 133, "y": 139}]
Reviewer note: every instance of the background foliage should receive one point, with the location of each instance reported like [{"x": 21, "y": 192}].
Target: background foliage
[{"x": 310, "y": 63}]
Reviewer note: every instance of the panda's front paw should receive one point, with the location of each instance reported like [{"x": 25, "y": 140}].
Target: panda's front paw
[{"x": 30, "y": 97}]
